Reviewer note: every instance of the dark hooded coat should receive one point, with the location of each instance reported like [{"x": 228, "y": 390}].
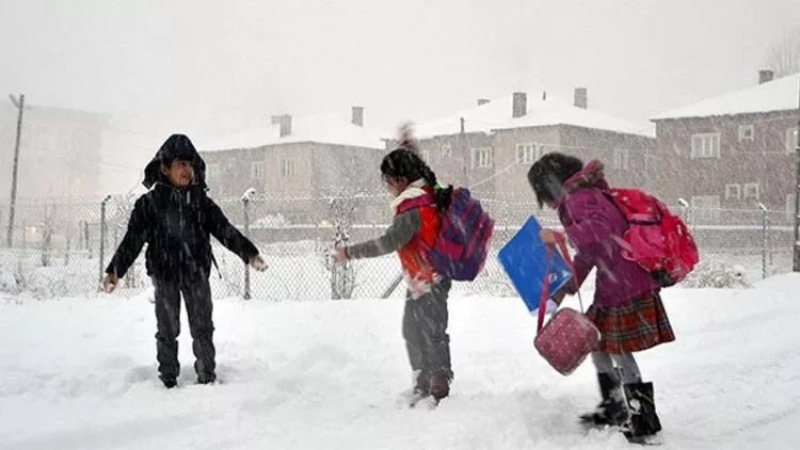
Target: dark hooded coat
[{"x": 176, "y": 224}]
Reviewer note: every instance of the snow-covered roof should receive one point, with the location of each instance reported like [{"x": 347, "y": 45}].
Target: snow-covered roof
[
  {"x": 496, "y": 115},
  {"x": 777, "y": 95},
  {"x": 320, "y": 128}
]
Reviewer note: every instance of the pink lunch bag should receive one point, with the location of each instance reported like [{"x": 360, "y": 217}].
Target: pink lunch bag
[{"x": 569, "y": 336}]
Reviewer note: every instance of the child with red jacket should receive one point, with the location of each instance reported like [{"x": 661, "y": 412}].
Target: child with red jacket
[{"x": 416, "y": 205}]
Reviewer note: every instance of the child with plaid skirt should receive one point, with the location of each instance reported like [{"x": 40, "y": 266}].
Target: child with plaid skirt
[{"x": 627, "y": 308}]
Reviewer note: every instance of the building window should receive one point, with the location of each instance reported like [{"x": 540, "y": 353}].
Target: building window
[
  {"x": 529, "y": 153},
  {"x": 751, "y": 191},
  {"x": 526, "y": 153},
  {"x": 258, "y": 170},
  {"x": 791, "y": 140},
  {"x": 790, "y": 208},
  {"x": 705, "y": 145},
  {"x": 447, "y": 150},
  {"x": 746, "y": 133},
  {"x": 733, "y": 192},
  {"x": 482, "y": 157},
  {"x": 287, "y": 168},
  {"x": 705, "y": 209},
  {"x": 621, "y": 157}
]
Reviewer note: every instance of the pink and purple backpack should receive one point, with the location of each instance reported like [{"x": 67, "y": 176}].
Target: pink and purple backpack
[{"x": 460, "y": 250}]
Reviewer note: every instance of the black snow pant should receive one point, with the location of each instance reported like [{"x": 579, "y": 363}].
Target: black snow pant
[
  {"x": 197, "y": 296},
  {"x": 425, "y": 332}
]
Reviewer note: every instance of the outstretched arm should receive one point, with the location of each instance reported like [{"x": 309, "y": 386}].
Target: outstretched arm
[{"x": 399, "y": 233}]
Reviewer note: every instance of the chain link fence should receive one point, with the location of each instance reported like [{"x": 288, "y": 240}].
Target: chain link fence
[{"x": 60, "y": 247}]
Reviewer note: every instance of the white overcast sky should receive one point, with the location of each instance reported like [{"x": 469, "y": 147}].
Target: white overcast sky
[{"x": 229, "y": 65}]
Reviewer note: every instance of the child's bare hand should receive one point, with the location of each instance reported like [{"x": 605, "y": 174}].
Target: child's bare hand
[
  {"x": 550, "y": 237},
  {"x": 258, "y": 263},
  {"x": 339, "y": 255},
  {"x": 110, "y": 283}
]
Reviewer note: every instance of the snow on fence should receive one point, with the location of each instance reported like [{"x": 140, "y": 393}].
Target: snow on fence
[{"x": 61, "y": 246}]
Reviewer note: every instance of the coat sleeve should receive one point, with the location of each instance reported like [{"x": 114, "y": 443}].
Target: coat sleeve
[
  {"x": 589, "y": 230},
  {"x": 399, "y": 233},
  {"x": 218, "y": 226},
  {"x": 132, "y": 243}
]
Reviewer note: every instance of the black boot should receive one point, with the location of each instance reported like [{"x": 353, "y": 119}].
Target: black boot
[
  {"x": 169, "y": 381},
  {"x": 612, "y": 409},
  {"x": 641, "y": 402}
]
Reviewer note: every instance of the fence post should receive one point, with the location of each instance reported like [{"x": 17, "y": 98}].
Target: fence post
[
  {"x": 102, "y": 255},
  {"x": 86, "y": 240},
  {"x": 764, "y": 238},
  {"x": 66, "y": 251},
  {"x": 246, "y": 208}
]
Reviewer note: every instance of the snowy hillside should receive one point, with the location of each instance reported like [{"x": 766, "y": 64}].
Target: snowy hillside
[{"x": 80, "y": 374}]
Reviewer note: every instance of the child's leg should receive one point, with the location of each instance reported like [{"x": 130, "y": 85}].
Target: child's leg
[
  {"x": 199, "y": 308},
  {"x": 414, "y": 345},
  {"x": 603, "y": 362},
  {"x": 431, "y": 310},
  {"x": 168, "y": 310},
  {"x": 611, "y": 410},
  {"x": 630, "y": 369}
]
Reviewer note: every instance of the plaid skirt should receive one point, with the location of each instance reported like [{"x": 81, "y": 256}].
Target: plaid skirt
[{"x": 632, "y": 327}]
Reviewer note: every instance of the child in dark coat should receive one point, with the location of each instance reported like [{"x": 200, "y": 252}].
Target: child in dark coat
[
  {"x": 412, "y": 233},
  {"x": 176, "y": 219},
  {"x": 627, "y": 308}
]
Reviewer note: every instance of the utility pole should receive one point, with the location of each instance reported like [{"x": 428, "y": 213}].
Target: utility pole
[
  {"x": 796, "y": 259},
  {"x": 20, "y": 104}
]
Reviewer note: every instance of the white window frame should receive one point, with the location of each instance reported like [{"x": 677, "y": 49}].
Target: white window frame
[
  {"x": 730, "y": 189},
  {"x": 705, "y": 208},
  {"x": 703, "y": 145},
  {"x": 791, "y": 140},
  {"x": 747, "y": 133},
  {"x": 288, "y": 168},
  {"x": 258, "y": 170},
  {"x": 529, "y": 152},
  {"x": 526, "y": 153},
  {"x": 621, "y": 159},
  {"x": 747, "y": 191},
  {"x": 482, "y": 158},
  {"x": 447, "y": 150}
]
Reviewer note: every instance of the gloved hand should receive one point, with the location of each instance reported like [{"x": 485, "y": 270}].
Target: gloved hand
[{"x": 258, "y": 263}]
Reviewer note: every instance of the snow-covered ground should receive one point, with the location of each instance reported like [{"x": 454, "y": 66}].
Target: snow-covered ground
[{"x": 80, "y": 374}]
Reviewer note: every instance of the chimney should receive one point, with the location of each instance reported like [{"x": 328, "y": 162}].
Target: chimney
[
  {"x": 482, "y": 101},
  {"x": 285, "y": 121},
  {"x": 358, "y": 116},
  {"x": 520, "y": 105},
  {"x": 581, "y": 98},
  {"x": 463, "y": 127},
  {"x": 765, "y": 76}
]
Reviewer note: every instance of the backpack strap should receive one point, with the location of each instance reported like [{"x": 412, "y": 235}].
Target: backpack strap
[{"x": 561, "y": 247}]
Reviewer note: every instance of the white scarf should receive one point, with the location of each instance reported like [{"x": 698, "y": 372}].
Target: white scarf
[{"x": 413, "y": 190}]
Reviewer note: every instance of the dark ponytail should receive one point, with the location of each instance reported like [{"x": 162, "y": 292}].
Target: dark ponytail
[
  {"x": 441, "y": 195},
  {"x": 406, "y": 163}
]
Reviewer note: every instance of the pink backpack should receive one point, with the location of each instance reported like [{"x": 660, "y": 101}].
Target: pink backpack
[
  {"x": 569, "y": 336},
  {"x": 656, "y": 239}
]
